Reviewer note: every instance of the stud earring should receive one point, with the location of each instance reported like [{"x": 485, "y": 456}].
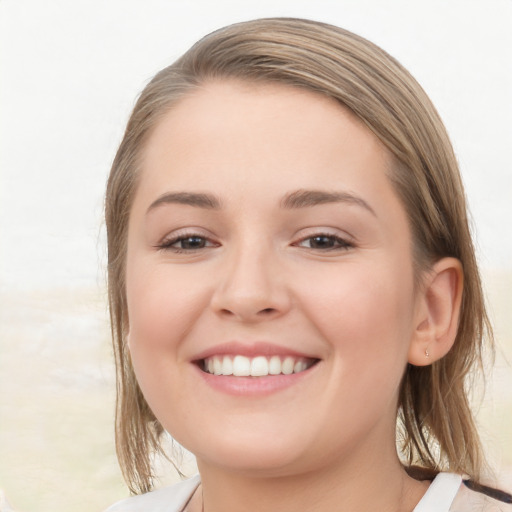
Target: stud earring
[{"x": 427, "y": 353}]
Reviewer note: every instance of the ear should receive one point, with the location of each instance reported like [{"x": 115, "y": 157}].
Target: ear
[{"x": 437, "y": 313}]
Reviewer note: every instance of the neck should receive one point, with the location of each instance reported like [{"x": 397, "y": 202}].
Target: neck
[{"x": 351, "y": 485}]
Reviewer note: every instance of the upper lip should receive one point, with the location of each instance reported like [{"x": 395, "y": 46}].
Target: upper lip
[{"x": 250, "y": 349}]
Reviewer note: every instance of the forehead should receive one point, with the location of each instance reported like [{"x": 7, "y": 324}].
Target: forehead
[
  {"x": 238, "y": 130},
  {"x": 243, "y": 105}
]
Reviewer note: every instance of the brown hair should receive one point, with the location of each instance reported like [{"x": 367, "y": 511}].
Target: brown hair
[{"x": 434, "y": 417}]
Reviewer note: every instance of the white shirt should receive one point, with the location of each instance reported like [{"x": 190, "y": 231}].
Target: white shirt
[{"x": 446, "y": 493}]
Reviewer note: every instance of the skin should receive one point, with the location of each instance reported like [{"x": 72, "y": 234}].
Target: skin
[{"x": 259, "y": 275}]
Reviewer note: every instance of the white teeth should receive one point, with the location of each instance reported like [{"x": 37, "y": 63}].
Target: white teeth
[
  {"x": 287, "y": 366},
  {"x": 260, "y": 366},
  {"x": 274, "y": 365},
  {"x": 300, "y": 366},
  {"x": 241, "y": 366},
  {"x": 217, "y": 366},
  {"x": 227, "y": 366}
]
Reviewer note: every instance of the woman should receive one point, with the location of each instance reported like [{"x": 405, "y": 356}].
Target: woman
[{"x": 291, "y": 273}]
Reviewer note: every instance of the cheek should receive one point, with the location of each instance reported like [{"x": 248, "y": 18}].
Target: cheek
[
  {"x": 367, "y": 320},
  {"x": 163, "y": 307},
  {"x": 161, "y": 304},
  {"x": 365, "y": 312}
]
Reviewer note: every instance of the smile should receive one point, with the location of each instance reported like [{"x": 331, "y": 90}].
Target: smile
[{"x": 259, "y": 366}]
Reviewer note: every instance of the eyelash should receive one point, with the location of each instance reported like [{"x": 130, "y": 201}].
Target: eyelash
[
  {"x": 168, "y": 243},
  {"x": 338, "y": 243}
]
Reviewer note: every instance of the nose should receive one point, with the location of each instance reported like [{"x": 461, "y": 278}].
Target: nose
[{"x": 251, "y": 287}]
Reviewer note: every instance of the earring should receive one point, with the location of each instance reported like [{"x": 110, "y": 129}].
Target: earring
[{"x": 426, "y": 353}]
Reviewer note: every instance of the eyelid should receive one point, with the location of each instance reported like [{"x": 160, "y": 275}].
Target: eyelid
[
  {"x": 175, "y": 236},
  {"x": 345, "y": 241}
]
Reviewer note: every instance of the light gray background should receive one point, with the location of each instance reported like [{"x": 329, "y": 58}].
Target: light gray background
[{"x": 70, "y": 71}]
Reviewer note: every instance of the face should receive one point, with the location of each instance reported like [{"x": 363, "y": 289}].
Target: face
[{"x": 270, "y": 285}]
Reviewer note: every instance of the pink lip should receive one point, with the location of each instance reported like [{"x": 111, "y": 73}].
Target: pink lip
[
  {"x": 252, "y": 349},
  {"x": 252, "y": 386}
]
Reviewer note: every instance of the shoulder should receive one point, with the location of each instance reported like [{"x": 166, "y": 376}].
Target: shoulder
[
  {"x": 168, "y": 499},
  {"x": 449, "y": 493},
  {"x": 478, "y": 498}
]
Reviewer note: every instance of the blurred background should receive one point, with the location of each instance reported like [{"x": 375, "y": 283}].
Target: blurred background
[{"x": 70, "y": 72}]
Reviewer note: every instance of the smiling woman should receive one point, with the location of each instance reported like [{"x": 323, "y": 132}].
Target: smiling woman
[{"x": 290, "y": 273}]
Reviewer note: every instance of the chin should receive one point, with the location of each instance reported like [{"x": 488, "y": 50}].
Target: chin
[{"x": 256, "y": 456}]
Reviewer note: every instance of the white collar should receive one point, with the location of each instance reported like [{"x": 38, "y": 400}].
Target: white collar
[{"x": 441, "y": 493}]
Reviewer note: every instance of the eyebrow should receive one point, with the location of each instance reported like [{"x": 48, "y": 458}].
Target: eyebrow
[
  {"x": 199, "y": 200},
  {"x": 297, "y": 199},
  {"x": 308, "y": 198}
]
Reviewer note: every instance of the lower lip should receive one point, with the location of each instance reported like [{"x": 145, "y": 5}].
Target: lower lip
[{"x": 252, "y": 386}]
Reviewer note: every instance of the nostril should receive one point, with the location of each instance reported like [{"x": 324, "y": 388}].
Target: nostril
[{"x": 267, "y": 311}]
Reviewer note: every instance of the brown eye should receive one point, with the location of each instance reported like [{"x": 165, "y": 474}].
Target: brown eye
[
  {"x": 190, "y": 242},
  {"x": 186, "y": 243},
  {"x": 324, "y": 242}
]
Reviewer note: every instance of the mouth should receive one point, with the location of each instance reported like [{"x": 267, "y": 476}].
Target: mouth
[{"x": 258, "y": 366}]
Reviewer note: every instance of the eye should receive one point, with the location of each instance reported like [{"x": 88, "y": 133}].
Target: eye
[
  {"x": 186, "y": 243},
  {"x": 324, "y": 242}
]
